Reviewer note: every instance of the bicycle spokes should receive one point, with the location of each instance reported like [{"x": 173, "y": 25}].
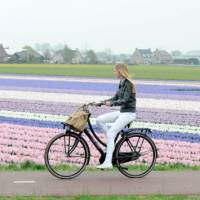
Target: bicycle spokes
[
  {"x": 66, "y": 155},
  {"x": 135, "y": 156}
]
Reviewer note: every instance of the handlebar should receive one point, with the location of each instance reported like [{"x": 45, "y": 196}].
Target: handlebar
[
  {"x": 99, "y": 104},
  {"x": 92, "y": 104},
  {"x": 95, "y": 104}
]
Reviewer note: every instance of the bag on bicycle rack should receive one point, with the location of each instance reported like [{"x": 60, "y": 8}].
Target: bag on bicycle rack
[{"x": 78, "y": 119}]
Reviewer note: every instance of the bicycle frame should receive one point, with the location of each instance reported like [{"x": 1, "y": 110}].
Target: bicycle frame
[{"x": 95, "y": 139}]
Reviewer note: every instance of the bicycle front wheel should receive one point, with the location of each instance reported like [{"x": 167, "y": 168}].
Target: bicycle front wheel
[
  {"x": 135, "y": 155},
  {"x": 66, "y": 155}
]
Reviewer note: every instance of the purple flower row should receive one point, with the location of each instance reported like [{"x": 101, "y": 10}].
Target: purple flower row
[
  {"x": 37, "y": 124},
  {"x": 147, "y": 115},
  {"x": 73, "y": 85}
]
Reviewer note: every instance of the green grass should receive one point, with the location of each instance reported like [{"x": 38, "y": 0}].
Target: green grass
[
  {"x": 111, "y": 197},
  {"x": 28, "y": 165},
  {"x": 31, "y": 166},
  {"x": 137, "y": 72}
]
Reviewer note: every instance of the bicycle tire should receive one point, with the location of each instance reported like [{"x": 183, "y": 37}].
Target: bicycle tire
[
  {"x": 118, "y": 159},
  {"x": 78, "y": 139}
]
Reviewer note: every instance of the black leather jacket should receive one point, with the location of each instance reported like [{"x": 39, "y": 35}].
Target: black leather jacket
[{"x": 124, "y": 97}]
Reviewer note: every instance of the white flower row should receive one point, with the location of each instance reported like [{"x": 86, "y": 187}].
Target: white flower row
[
  {"x": 102, "y": 80},
  {"x": 77, "y": 98},
  {"x": 32, "y": 116},
  {"x": 135, "y": 124},
  {"x": 167, "y": 127}
]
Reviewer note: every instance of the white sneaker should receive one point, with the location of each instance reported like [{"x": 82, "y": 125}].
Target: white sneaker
[{"x": 105, "y": 166}]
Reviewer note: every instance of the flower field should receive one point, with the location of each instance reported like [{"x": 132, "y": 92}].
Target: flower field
[{"x": 32, "y": 107}]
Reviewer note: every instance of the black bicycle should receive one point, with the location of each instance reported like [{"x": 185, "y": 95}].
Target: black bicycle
[{"x": 67, "y": 154}]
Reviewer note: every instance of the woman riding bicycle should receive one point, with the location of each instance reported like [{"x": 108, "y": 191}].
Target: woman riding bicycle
[
  {"x": 124, "y": 97},
  {"x": 67, "y": 154}
]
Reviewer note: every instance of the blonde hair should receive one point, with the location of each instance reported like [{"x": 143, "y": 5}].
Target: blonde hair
[{"x": 123, "y": 70}]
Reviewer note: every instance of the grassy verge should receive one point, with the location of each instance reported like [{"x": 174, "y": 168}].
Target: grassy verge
[
  {"x": 30, "y": 166},
  {"x": 112, "y": 197},
  {"x": 106, "y": 71}
]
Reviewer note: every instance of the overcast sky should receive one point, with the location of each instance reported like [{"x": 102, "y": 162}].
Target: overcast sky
[{"x": 121, "y": 25}]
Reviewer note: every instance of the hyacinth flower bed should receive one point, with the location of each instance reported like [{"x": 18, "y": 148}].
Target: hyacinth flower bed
[{"x": 31, "y": 110}]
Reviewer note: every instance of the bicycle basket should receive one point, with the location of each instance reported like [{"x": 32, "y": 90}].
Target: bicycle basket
[{"x": 78, "y": 119}]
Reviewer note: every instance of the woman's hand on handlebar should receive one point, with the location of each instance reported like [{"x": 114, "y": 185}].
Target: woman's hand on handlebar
[
  {"x": 99, "y": 103},
  {"x": 107, "y": 103}
]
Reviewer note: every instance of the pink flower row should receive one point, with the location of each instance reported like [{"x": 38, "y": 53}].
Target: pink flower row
[{"x": 20, "y": 143}]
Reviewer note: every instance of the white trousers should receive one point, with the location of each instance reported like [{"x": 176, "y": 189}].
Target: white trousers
[{"x": 119, "y": 121}]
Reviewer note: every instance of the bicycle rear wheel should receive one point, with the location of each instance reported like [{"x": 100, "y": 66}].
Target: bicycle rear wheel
[
  {"x": 135, "y": 155},
  {"x": 66, "y": 155}
]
